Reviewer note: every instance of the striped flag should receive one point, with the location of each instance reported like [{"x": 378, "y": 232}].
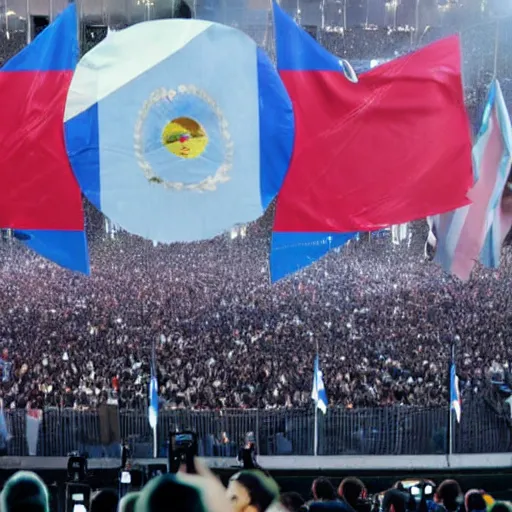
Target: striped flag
[
  {"x": 319, "y": 395},
  {"x": 455, "y": 402},
  {"x": 475, "y": 232}
]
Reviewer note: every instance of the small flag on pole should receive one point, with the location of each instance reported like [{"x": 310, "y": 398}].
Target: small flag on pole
[
  {"x": 319, "y": 395},
  {"x": 153, "y": 395},
  {"x": 455, "y": 402}
]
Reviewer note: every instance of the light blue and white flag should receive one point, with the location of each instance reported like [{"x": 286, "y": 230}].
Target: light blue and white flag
[
  {"x": 319, "y": 395},
  {"x": 455, "y": 401},
  {"x": 178, "y": 129},
  {"x": 476, "y": 232},
  {"x": 153, "y": 393}
]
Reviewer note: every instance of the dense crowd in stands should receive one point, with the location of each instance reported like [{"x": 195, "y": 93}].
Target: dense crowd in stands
[
  {"x": 255, "y": 491},
  {"x": 382, "y": 318}
]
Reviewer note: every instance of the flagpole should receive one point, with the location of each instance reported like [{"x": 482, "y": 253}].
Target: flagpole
[
  {"x": 450, "y": 414},
  {"x": 315, "y": 446},
  {"x": 29, "y": 24},
  {"x": 155, "y": 433},
  {"x": 155, "y": 443}
]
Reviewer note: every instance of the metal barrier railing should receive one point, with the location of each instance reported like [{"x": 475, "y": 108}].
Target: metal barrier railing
[{"x": 398, "y": 430}]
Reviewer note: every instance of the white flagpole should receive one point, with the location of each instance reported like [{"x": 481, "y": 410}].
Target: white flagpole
[
  {"x": 29, "y": 24},
  {"x": 154, "y": 374},
  {"x": 450, "y": 415},
  {"x": 51, "y": 11},
  {"x": 315, "y": 443}
]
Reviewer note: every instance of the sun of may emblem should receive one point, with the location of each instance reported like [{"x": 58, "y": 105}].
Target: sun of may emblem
[{"x": 184, "y": 138}]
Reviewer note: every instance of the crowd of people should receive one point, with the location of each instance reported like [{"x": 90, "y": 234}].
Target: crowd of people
[
  {"x": 255, "y": 491},
  {"x": 383, "y": 320}
]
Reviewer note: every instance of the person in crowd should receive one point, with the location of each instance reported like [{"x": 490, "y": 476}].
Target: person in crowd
[
  {"x": 449, "y": 494},
  {"x": 106, "y": 500},
  {"x": 292, "y": 501},
  {"x": 251, "y": 491},
  {"x": 172, "y": 9},
  {"x": 24, "y": 492},
  {"x": 474, "y": 501},
  {"x": 127, "y": 502},
  {"x": 352, "y": 493},
  {"x": 501, "y": 506},
  {"x": 323, "y": 490},
  {"x": 396, "y": 500}
]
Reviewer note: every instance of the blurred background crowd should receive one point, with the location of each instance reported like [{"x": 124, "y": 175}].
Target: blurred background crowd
[{"x": 383, "y": 317}]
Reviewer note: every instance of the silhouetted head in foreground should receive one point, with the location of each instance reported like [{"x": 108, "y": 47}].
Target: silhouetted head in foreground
[
  {"x": 128, "y": 502},
  {"x": 251, "y": 491},
  {"x": 167, "y": 493},
  {"x": 168, "y": 9},
  {"x": 24, "y": 492},
  {"x": 105, "y": 501}
]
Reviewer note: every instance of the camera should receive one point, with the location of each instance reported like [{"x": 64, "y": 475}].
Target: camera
[
  {"x": 182, "y": 450},
  {"x": 77, "y": 467}
]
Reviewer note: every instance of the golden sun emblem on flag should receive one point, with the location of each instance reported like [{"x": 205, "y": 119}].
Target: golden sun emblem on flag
[{"x": 184, "y": 138}]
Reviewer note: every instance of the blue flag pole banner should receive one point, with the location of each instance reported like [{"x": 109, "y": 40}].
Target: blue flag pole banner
[
  {"x": 153, "y": 392},
  {"x": 178, "y": 129},
  {"x": 42, "y": 201},
  {"x": 153, "y": 402},
  {"x": 455, "y": 401},
  {"x": 318, "y": 394}
]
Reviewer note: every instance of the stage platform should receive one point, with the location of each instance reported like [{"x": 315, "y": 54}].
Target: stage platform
[{"x": 345, "y": 463}]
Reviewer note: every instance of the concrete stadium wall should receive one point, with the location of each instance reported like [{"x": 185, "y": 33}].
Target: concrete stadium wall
[{"x": 355, "y": 463}]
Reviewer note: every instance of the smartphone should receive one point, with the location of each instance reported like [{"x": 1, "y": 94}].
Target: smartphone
[{"x": 182, "y": 451}]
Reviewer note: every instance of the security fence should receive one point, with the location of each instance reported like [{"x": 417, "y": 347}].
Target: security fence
[{"x": 398, "y": 430}]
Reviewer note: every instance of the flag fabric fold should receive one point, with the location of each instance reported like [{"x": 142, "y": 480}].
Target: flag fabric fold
[
  {"x": 476, "y": 232},
  {"x": 319, "y": 394},
  {"x": 40, "y": 196},
  {"x": 455, "y": 401},
  {"x": 374, "y": 151},
  {"x": 164, "y": 144},
  {"x": 291, "y": 252}
]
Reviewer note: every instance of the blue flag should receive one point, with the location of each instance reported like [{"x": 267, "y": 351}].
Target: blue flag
[
  {"x": 153, "y": 394},
  {"x": 319, "y": 395},
  {"x": 455, "y": 402}
]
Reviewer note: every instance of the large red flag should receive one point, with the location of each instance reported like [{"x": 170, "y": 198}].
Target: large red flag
[{"x": 393, "y": 147}]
